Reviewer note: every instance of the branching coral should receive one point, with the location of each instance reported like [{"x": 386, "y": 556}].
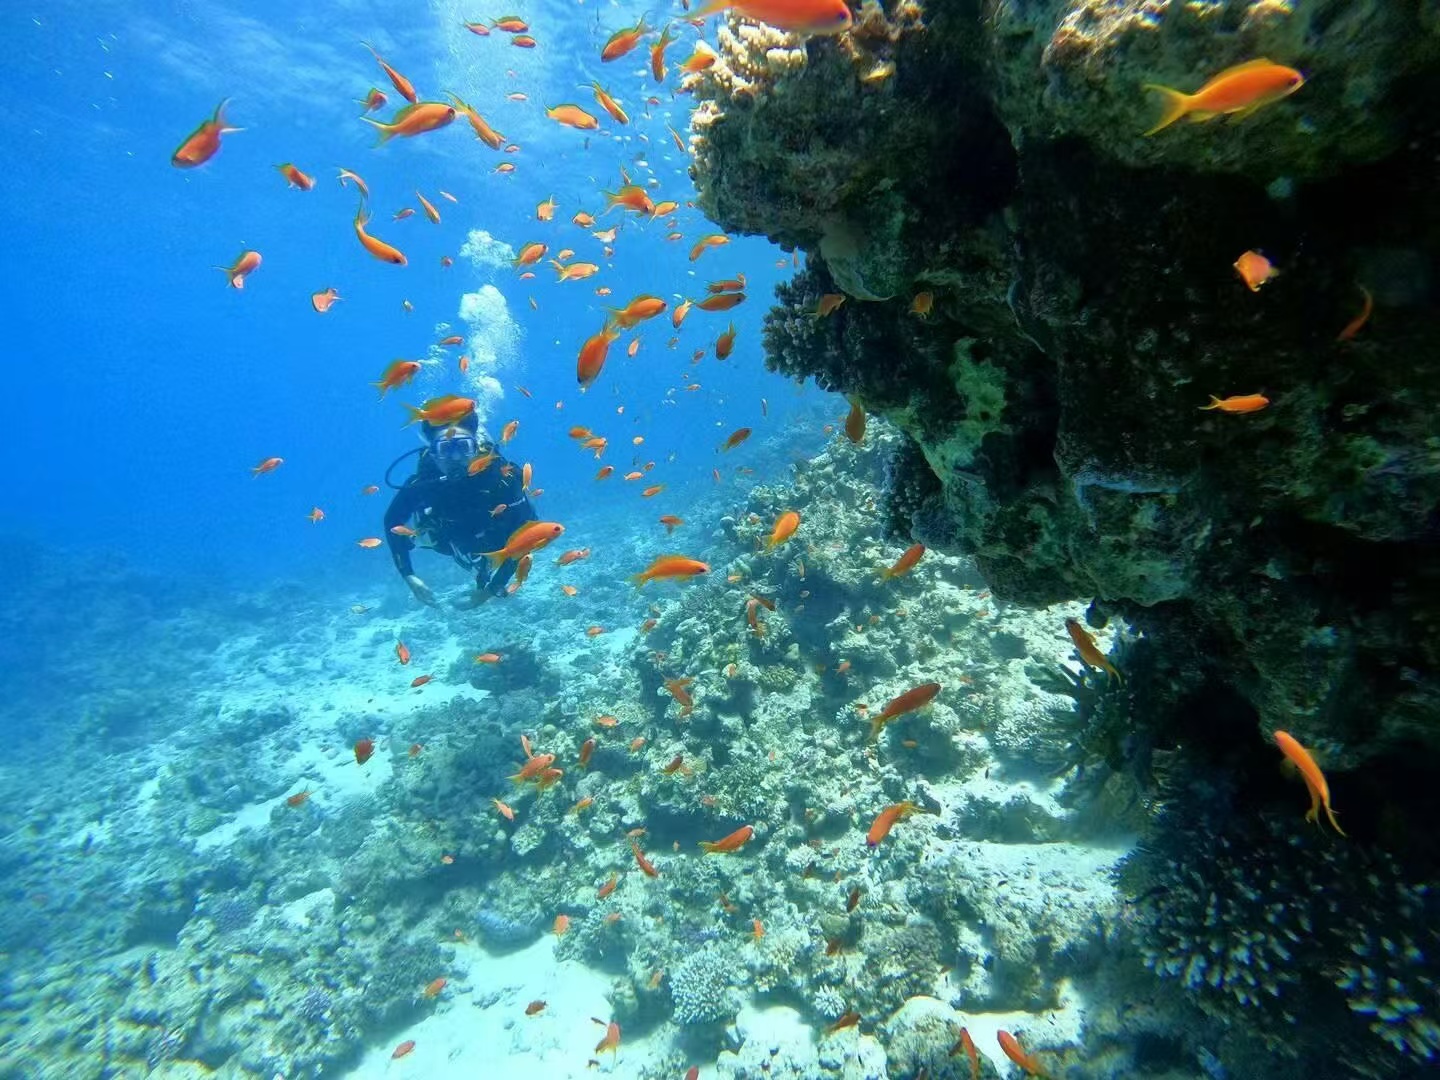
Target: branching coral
[{"x": 1267, "y": 920}]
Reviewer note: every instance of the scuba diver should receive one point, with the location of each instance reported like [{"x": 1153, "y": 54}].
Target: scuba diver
[{"x": 453, "y": 509}]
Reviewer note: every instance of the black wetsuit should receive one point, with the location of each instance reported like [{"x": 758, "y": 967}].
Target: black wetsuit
[{"x": 454, "y": 515}]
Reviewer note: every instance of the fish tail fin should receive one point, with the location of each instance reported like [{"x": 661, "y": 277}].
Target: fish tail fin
[
  {"x": 708, "y": 846},
  {"x": 1329, "y": 813},
  {"x": 1175, "y": 106},
  {"x": 385, "y": 130},
  {"x": 639, "y": 580},
  {"x": 1214, "y": 404},
  {"x": 495, "y": 557},
  {"x": 416, "y": 413},
  {"x": 877, "y": 725}
]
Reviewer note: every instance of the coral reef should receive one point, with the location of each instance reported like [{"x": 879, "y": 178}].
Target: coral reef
[
  {"x": 1084, "y": 308},
  {"x": 1266, "y": 920}
]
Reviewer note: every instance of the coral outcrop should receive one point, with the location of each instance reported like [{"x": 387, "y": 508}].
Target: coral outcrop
[{"x": 1084, "y": 309}]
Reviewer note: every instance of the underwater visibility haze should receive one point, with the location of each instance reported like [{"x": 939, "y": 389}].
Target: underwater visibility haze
[{"x": 764, "y": 539}]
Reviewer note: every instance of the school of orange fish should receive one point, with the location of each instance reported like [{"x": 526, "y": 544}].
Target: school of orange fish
[{"x": 1237, "y": 90}]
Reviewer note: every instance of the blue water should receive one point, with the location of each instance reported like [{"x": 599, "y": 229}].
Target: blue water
[{"x": 142, "y": 389}]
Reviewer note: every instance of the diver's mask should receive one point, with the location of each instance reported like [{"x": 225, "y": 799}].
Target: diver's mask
[{"x": 453, "y": 453}]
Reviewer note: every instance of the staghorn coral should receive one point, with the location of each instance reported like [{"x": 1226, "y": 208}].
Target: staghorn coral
[
  {"x": 1267, "y": 920},
  {"x": 703, "y": 986}
]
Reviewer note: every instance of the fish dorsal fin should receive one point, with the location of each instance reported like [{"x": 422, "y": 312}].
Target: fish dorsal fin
[{"x": 1250, "y": 65}]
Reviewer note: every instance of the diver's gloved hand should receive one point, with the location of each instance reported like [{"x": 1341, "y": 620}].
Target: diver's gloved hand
[
  {"x": 474, "y": 598},
  {"x": 420, "y": 589}
]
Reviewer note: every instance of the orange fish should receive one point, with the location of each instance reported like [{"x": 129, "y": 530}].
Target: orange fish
[
  {"x": 704, "y": 244},
  {"x": 420, "y": 680},
  {"x": 785, "y": 526},
  {"x": 702, "y": 58},
  {"x": 375, "y": 99},
  {"x": 524, "y": 540},
  {"x": 523, "y": 41},
  {"x": 509, "y": 431},
  {"x": 646, "y": 866},
  {"x": 321, "y": 301},
  {"x": 657, "y": 54},
  {"x": 533, "y": 767},
  {"x": 797, "y": 16},
  {"x": 316, "y": 515},
  {"x": 734, "y": 842},
  {"x": 1240, "y": 403},
  {"x": 967, "y": 1044},
  {"x": 204, "y": 142},
  {"x": 736, "y": 438},
  {"x": 609, "y": 104},
  {"x": 562, "y": 925},
  {"x": 369, "y": 489},
  {"x": 270, "y": 464},
  {"x": 401, "y": 215},
  {"x": 370, "y": 542},
  {"x": 402, "y": 652},
  {"x": 397, "y": 374},
  {"x": 241, "y": 268},
  {"x": 439, "y": 411},
  {"x": 478, "y": 28},
  {"x": 429, "y": 208},
  {"x": 904, "y": 703},
  {"x": 511, "y": 24},
  {"x": 1314, "y": 779},
  {"x": 403, "y": 1049},
  {"x": 1090, "y": 653},
  {"x": 1254, "y": 270},
  {"x": 735, "y": 284},
  {"x": 922, "y": 304},
  {"x": 586, "y": 749},
  {"x": 608, "y": 888},
  {"x": 725, "y": 343},
  {"x": 1241, "y": 89},
  {"x": 855, "y": 423},
  {"x": 414, "y": 120},
  {"x": 480, "y": 463},
  {"x": 530, "y": 254},
  {"x": 534, "y": 1007},
  {"x": 1011, "y": 1046},
  {"x": 435, "y": 986},
  {"x": 505, "y": 810},
  {"x": 545, "y": 211},
  {"x": 1353, "y": 327},
  {"x": 376, "y": 247},
  {"x": 652, "y": 491},
  {"x": 721, "y": 301},
  {"x": 582, "y": 219},
  {"x": 632, "y": 197},
  {"x": 670, "y": 521},
  {"x": 573, "y": 556},
  {"x": 885, "y": 821},
  {"x": 828, "y": 303},
  {"x": 295, "y": 178},
  {"x": 364, "y": 748},
  {"x": 298, "y": 799},
  {"x": 575, "y": 271},
  {"x": 401, "y": 84},
  {"x": 346, "y": 174},
  {"x": 849, "y": 1019},
  {"x": 594, "y": 631},
  {"x": 591, "y": 360},
  {"x": 622, "y": 41},
  {"x": 637, "y": 311},
  {"x": 611, "y": 1041},
  {"x": 678, "y": 691},
  {"x": 905, "y": 563},
  {"x": 483, "y": 131},
  {"x": 573, "y": 116},
  {"x": 569, "y": 590}
]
